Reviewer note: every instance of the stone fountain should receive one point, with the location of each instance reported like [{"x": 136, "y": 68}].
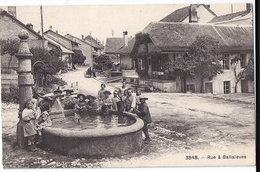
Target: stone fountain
[{"x": 85, "y": 142}]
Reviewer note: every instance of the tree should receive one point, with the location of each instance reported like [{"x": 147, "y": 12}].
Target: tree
[
  {"x": 11, "y": 47},
  {"x": 180, "y": 67},
  {"x": 78, "y": 57},
  {"x": 246, "y": 71},
  {"x": 44, "y": 63},
  {"x": 204, "y": 51},
  {"x": 52, "y": 64},
  {"x": 103, "y": 62}
]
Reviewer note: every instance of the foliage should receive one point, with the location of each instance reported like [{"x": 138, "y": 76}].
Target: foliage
[
  {"x": 51, "y": 79},
  {"x": 11, "y": 47},
  {"x": 78, "y": 57},
  {"x": 247, "y": 72},
  {"x": 12, "y": 96},
  {"x": 181, "y": 67},
  {"x": 204, "y": 52},
  {"x": 102, "y": 62},
  {"x": 51, "y": 66}
]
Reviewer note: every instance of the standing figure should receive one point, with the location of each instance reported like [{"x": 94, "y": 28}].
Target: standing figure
[
  {"x": 129, "y": 101},
  {"x": 115, "y": 101},
  {"x": 101, "y": 95},
  {"x": 137, "y": 99},
  {"x": 81, "y": 103},
  {"x": 91, "y": 104},
  {"x": 144, "y": 113},
  {"x": 29, "y": 127},
  {"x": 106, "y": 103},
  {"x": 122, "y": 88},
  {"x": 68, "y": 101},
  {"x": 94, "y": 73}
]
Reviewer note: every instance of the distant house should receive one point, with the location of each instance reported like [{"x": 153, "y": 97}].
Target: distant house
[
  {"x": 10, "y": 28},
  {"x": 113, "y": 50},
  {"x": 66, "y": 44},
  {"x": 97, "y": 46},
  {"x": 239, "y": 18},
  {"x": 172, "y": 40},
  {"x": 195, "y": 13}
]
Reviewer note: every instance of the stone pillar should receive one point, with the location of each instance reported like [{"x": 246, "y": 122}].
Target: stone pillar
[{"x": 25, "y": 81}]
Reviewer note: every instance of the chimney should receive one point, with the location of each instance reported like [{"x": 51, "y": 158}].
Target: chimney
[
  {"x": 125, "y": 38},
  {"x": 193, "y": 14},
  {"x": 50, "y": 27},
  {"x": 82, "y": 36},
  {"x": 29, "y": 25},
  {"x": 12, "y": 10},
  {"x": 208, "y": 5},
  {"x": 248, "y": 7},
  {"x": 57, "y": 31}
]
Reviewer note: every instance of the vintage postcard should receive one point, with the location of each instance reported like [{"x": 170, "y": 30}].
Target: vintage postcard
[{"x": 138, "y": 85}]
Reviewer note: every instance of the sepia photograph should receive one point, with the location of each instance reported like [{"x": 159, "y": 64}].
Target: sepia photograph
[{"x": 128, "y": 85}]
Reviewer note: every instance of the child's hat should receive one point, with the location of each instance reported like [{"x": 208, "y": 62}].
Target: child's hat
[{"x": 143, "y": 97}]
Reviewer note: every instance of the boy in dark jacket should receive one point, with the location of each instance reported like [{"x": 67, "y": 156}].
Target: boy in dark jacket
[{"x": 144, "y": 113}]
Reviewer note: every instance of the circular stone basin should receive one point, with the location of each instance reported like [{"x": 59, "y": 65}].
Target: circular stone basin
[{"x": 95, "y": 135}]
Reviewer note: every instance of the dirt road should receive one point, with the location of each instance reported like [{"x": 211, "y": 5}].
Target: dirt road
[{"x": 187, "y": 130}]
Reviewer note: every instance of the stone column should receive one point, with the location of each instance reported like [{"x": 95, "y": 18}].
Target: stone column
[{"x": 25, "y": 81}]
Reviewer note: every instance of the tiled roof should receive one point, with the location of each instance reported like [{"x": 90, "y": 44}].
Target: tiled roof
[
  {"x": 94, "y": 42},
  {"x": 113, "y": 44},
  {"x": 227, "y": 17},
  {"x": 179, "y": 36},
  {"x": 182, "y": 13},
  {"x": 127, "y": 49}
]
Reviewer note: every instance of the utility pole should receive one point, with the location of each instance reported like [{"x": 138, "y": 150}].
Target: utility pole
[
  {"x": 231, "y": 8},
  {"x": 42, "y": 27}
]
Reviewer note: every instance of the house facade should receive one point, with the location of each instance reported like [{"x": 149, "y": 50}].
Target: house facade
[
  {"x": 88, "y": 48},
  {"x": 66, "y": 45},
  {"x": 164, "y": 40},
  {"x": 9, "y": 30}
]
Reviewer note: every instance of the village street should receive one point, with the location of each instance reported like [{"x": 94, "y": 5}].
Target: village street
[{"x": 184, "y": 126}]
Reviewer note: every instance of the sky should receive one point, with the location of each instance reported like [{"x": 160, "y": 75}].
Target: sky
[{"x": 101, "y": 20}]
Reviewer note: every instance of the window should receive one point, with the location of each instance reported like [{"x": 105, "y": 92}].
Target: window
[
  {"x": 226, "y": 61},
  {"x": 242, "y": 60},
  {"x": 226, "y": 87},
  {"x": 191, "y": 88}
]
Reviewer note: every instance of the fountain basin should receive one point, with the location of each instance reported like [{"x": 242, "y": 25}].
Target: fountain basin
[{"x": 100, "y": 142}]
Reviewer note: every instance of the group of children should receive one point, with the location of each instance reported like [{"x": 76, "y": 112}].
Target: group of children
[
  {"x": 34, "y": 122},
  {"x": 122, "y": 100}
]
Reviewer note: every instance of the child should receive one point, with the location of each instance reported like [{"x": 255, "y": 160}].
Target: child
[
  {"x": 28, "y": 118},
  {"x": 91, "y": 104},
  {"x": 106, "y": 102},
  {"x": 68, "y": 101},
  {"x": 115, "y": 100},
  {"x": 44, "y": 121},
  {"x": 144, "y": 113},
  {"x": 81, "y": 103}
]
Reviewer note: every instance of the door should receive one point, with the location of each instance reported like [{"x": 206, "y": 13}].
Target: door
[
  {"x": 244, "y": 87},
  {"x": 208, "y": 88},
  {"x": 226, "y": 85}
]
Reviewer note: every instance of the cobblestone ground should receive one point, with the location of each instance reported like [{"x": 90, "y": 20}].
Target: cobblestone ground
[{"x": 183, "y": 125}]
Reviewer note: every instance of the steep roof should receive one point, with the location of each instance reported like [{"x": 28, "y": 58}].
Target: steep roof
[
  {"x": 63, "y": 49},
  {"x": 73, "y": 38},
  {"x": 182, "y": 13},
  {"x": 179, "y": 36},
  {"x": 113, "y": 44},
  {"x": 3, "y": 12},
  {"x": 127, "y": 49},
  {"x": 227, "y": 17},
  {"x": 94, "y": 42},
  {"x": 59, "y": 35}
]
